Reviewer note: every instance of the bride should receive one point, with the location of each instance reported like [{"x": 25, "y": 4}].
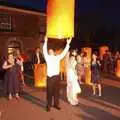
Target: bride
[{"x": 73, "y": 87}]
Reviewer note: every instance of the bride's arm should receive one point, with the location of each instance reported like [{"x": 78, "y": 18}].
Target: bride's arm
[{"x": 67, "y": 59}]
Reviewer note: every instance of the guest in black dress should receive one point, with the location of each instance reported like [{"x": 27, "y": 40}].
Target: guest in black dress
[
  {"x": 95, "y": 72},
  {"x": 19, "y": 59},
  {"x": 105, "y": 62},
  {"x": 12, "y": 83}
]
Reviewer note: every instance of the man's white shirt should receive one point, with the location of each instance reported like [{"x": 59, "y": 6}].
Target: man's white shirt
[{"x": 53, "y": 62}]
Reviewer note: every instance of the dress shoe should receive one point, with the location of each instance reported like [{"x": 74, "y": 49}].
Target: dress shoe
[
  {"x": 10, "y": 97},
  {"x": 17, "y": 96},
  {"x": 48, "y": 109},
  {"x": 57, "y": 107}
]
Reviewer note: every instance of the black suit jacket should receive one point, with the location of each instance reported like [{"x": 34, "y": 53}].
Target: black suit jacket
[{"x": 35, "y": 59}]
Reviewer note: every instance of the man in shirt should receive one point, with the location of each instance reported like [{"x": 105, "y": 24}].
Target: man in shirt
[{"x": 53, "y": 70}]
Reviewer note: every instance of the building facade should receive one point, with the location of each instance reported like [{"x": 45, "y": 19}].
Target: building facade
[{"x": 20, "y": 28}]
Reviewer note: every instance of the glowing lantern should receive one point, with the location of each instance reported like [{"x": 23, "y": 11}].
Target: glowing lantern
[
  {"x": 87, "y": 64},
  {"x": 102, "y": 51},
  {"x": 40, "y": 75},
  {"x": 60, "y": 18},
  {"x": 118, "y": 68}
]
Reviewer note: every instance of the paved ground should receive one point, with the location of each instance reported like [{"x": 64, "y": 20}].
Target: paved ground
[{"x": 31, "y": 106}]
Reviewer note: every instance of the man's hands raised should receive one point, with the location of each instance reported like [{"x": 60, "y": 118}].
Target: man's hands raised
[{"x": 69, "y": 40}]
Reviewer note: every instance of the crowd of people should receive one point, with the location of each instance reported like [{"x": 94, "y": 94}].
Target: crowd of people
[
  {"x": 77, "y": 63},
  {"x": 109, "y": 61}
]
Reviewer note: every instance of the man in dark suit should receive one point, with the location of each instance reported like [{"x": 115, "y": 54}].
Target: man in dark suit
[{"x": 37, "y": 57}]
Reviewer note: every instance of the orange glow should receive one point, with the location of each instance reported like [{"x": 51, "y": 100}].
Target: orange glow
[
  {"x": 102, "y": 51},
  {"x": 118, "y": 68},
  {"x": 87, "y": 64},
  {"x": 40, "y": 75},
  {"x": 60, "y": 18}
]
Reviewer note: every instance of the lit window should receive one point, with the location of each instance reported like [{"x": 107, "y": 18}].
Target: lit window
[{"x": 5, "y": 22}]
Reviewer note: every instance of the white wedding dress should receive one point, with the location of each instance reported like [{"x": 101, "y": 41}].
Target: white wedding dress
[{"x": 73, "y": 87}]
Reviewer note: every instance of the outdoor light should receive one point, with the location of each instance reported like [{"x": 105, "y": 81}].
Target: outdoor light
[
  {"x": 60, "y": 18},
  {"x": 87, "y": 64}
]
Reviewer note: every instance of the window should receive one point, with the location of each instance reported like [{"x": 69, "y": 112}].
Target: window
[{"x": 5, "y": 22}]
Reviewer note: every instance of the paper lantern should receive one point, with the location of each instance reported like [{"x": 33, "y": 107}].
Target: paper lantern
[
  {"x": 118, "y": 68},
  {"x": 60, "y": 18},
  {"x": 102, "y": 51},
  {"x": 40, "y": 75},
  {"x": 87, "y": 64}
]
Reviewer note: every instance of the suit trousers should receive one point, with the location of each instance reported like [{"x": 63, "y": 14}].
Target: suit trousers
[{"x": 53, "y": 90}]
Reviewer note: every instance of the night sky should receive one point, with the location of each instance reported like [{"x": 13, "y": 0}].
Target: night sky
[
  {"x": 36, "y": 4},
  {"x": 108, "y": 10}
]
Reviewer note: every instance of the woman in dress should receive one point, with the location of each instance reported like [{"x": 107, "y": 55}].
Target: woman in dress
[
  {"x": 80, "y": 68},
  {"x": 73, "y": 87},
  {"x": 11, "y": 77},
  {"x": 95, "y": 71},
  {"x": 19, "y": 60}
]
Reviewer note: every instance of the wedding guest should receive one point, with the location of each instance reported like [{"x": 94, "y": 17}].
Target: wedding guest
[
  {"x": 53, "y": 71},
  {"x": 37, "y": 57},
  {"x": 95, "y": 72},
  {"x": 80, "y": 68},
  {"x": 19, "y": 60},
  {"x": 12, "y": 83}
]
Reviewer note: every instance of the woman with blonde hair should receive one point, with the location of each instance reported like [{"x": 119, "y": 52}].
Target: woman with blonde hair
[{"x": 12, "y": 83}]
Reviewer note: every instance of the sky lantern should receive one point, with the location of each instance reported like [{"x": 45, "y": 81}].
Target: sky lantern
[
  {"x": 118, "y": 68},
  {"x": 87, "y": 62},
  {"x": 102, "y": 50},
  {"x": 60, "y": 18},
  {"x": 40, "y": 75}
]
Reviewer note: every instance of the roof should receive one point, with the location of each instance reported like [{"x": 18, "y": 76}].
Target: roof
[{"x": 25, "y": 9}]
